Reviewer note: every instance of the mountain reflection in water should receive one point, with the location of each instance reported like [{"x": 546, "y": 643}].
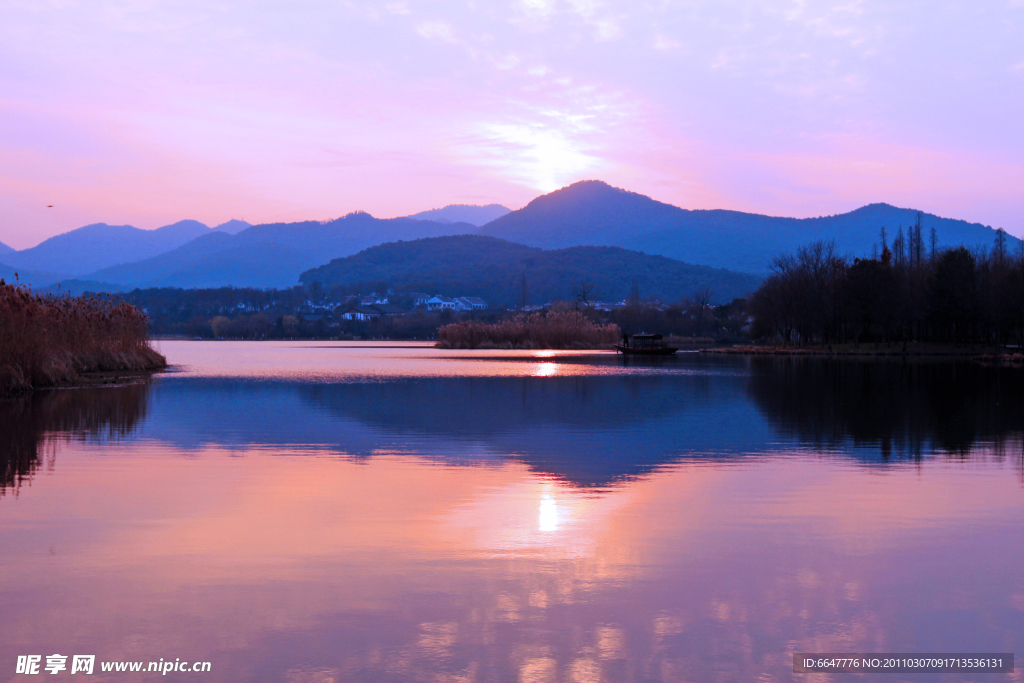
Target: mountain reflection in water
[
  {"x": 593, "y": 430},
  {"x": 318, "y": 515},
  {"x": 588, "y": 430}
]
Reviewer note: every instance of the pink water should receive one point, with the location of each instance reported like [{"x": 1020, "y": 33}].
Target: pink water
[{"x": 319, "y": 512}]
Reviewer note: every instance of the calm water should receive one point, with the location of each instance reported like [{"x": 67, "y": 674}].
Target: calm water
[{"x": 313, "y": 512}]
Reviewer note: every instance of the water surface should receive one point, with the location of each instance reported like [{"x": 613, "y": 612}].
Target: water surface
[{"x": 391, "y": 512}]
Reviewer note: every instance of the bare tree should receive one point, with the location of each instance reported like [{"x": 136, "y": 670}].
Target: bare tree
[
  {"x": 701, "y": 301},
  {"x": 583, "y": 292},
  {"x": 1000, "y": 250}
]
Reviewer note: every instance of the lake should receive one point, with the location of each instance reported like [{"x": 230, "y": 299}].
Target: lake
[{"x": 316, "y": 512}]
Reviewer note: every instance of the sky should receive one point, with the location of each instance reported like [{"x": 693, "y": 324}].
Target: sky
[{"x": 147, "y": 113}]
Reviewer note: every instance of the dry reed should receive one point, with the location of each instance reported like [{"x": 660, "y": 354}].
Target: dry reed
[
  {"x": 49, "y": 341},
  {"x": 551, "y": 330}
]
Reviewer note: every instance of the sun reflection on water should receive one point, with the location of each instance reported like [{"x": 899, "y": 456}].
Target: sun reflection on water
[
  {"x": 546, "y": 370},
  {"x": 548, "y": 517}
]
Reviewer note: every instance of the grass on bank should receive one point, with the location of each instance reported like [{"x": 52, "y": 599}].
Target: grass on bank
[
  {"x": 550, "y": 330},
  {"x": 48, "y": 341}
]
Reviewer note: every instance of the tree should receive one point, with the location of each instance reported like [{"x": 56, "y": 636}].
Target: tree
[
  {"x": 917, "y": 242},
  {"x": 316, "y": 291},
  {"x": 701, "y": 301},
  {"x": 953, "y": 296},
  {"x": 868, "y": 292},
  {"x": 1000, "y": 248},
  {"x": 583, "y": 292}
]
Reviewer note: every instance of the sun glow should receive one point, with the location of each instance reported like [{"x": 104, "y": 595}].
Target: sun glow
[
  {"x": 547, "y": 518},
  {"x": 542, "y": 155}
]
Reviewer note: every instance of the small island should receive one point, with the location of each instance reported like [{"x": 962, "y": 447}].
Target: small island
[{"x": 51, "y": 341}]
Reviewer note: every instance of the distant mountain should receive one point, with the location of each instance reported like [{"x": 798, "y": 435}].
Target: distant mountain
[
  {"x": 271, "y": 255},
  {"x": 491, "y": 268},
  {"x": 76, "y": 287},
  {"x": 463, "y": 213},
  {"x": 4, "y": 249},
  {"x": 588, "y": 213},
  {"x": 37, "y": 279},
  {"x": 233, "y": 226},
  {"x": 594, "y": 213},
  {"x": 100, "y": 245}
]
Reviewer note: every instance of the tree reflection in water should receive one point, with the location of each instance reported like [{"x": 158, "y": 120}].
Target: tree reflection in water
[
  {"x": 31, "y": 426},
  {"x": 906, "y": 409}
]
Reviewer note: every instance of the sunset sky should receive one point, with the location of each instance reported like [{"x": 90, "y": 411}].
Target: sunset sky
[{"x": 147, "y": 113}]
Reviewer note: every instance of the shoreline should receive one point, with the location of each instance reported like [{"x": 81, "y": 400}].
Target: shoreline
[
  {"x": 107, "y": 369},
  {"x": 981, "y": 353}
]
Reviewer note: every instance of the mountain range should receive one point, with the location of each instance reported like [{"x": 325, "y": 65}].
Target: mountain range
[
  {"x": 587, "y": 213},
  {"x": 592, "y": 212},
  {"x": 495, "y": 270},
  {"x": 270, "y": 255}
]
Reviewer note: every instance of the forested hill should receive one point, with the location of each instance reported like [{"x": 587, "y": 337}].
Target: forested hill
[
  {"x": 491, "y": 268},
  {"x": 595, "y": 213}
]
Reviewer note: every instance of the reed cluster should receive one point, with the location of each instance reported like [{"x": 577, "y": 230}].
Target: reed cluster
[
  {"x": 47, "y": 340},
  {"x": 541, "y": 330}
]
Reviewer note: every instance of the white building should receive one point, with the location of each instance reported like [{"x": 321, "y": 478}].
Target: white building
[
  {"x": 470, "y": 303},
  {"x": 440, "y": 302}
]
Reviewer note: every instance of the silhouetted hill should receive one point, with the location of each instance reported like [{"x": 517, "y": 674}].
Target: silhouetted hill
[
  {"x": 100, "y": 245},
  {"x": 4, "y": 249},
  {"x": 77, "y": 287},
  {"x": 594, "y": 213},
  {"x": 463, "y": 213},
  {"x": 491, "y": 268},
  {"x": 270, "y": 255},
  {"x": 35, "y": 278},
  {"x": 233, "y": 226}
]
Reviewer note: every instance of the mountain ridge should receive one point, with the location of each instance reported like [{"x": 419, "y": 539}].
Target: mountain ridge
[
  {"x": 493, "y": 268},
  {"x": 587, "y": 213},
  {"x": 268, "y": 255},
  {"x": 100, "y": 245},
  {"x": 593, "y": 212},
  {"x": 474, "y": 214}
]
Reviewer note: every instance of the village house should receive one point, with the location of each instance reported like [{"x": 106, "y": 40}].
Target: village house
[
  {"x": 440, "y": 302},
  {"x": 469, "y": 303},
  {"x": 359, "y": 312}
]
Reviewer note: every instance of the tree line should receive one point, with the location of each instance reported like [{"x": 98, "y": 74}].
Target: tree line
[{"x": 912, "y": 291}]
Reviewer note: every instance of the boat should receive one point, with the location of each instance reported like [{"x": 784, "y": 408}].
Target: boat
[{"x": 644, "y": 345}]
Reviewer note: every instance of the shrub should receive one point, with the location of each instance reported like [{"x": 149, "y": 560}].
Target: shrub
[{"x": 552, "y": 330}]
